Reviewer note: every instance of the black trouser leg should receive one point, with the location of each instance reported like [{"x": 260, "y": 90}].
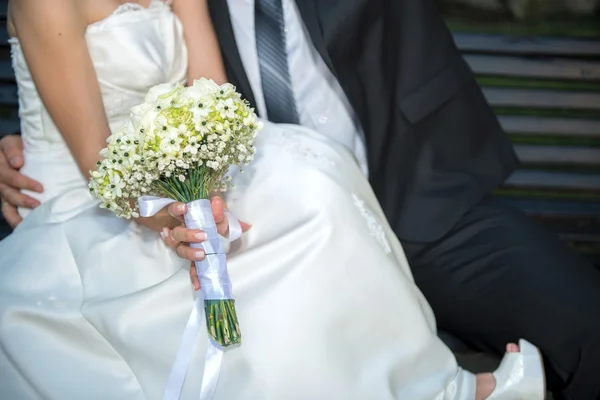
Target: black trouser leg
[{"x": 499, "y": 276}]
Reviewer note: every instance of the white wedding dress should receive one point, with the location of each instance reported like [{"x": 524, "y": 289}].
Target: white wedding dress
[{"x": 93, "y": 307}]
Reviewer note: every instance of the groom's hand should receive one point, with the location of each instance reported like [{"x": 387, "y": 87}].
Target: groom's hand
[
  {"x": 12, "y": 181},
  {"x": 179, "y": 237}
]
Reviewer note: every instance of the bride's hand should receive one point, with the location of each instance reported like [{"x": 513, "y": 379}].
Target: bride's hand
[{"x": 179, "y": 237}]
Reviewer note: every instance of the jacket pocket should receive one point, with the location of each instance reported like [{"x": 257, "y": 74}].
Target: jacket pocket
[{"x": 437, "y": 91}]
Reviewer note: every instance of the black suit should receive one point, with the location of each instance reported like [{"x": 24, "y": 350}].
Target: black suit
[{"x": 435, "y": 152}]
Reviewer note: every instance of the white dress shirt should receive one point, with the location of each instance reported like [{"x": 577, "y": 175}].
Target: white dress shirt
[{"x": 320, "y": 101}]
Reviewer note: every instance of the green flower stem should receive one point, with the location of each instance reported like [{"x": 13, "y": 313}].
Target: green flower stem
[
  {"x": 198, "y": 183},
  {"x": 222, "y": 323}
]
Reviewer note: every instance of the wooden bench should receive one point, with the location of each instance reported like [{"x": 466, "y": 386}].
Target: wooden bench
[{"x": 546, "y": 93}]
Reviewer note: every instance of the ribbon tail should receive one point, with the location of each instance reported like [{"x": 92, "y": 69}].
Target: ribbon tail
[
  {"x": 212, "y": 364},
  {"x": 235, "y": 228},
  {"x": 150, "y": 205},
  {"x": 184, "y": 352},
  {"x": 212, "y": 370}
]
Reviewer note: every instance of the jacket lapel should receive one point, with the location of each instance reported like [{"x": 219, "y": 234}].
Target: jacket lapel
[
  {"x": 219, "y": 12},
  {"x": 309, "y": 16}
]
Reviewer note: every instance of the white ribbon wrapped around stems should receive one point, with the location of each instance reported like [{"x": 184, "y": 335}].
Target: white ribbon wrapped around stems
[{"x": 214, "y": 285}]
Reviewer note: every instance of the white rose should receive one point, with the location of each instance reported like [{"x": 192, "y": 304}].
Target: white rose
[
  {"x": 137, "y": 112},
  {"x": 206, "y": 85},
  {"x": 143, "y": 119},
  {"x": 162, "y": 96},
  {"x": 198, "y": 95},
  {"x": 140, "y": 113},
  {"x": 158, "y": 90}
]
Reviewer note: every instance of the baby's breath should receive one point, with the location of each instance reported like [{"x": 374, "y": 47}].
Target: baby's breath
[{"x": 179, "y": 143}]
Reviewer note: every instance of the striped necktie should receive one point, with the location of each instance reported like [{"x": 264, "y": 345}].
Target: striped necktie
[{"x": 273, "y": 62}]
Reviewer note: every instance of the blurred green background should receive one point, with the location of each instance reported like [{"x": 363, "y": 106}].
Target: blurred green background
[{"x": 558, "y": 18}]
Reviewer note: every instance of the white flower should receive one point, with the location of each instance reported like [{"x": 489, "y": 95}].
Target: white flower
[
  {"x": 193, "y": 150},
  {"x": 165, "y": 91},
  {"x": 170, "y": 143},
  {"x": 205, "y": 85},
  {"x": 227, "y": 109},
  {"x": 138, "y": 112},
  {"x": 116, "y": 185},
  {"x": 228, "y": 90},
  {"x": 110, "y": 205}
]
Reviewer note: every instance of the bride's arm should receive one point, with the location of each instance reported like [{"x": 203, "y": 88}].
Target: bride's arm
[
  {"x": 204, "y": 54},
  {"x": 52, "y": 36}
]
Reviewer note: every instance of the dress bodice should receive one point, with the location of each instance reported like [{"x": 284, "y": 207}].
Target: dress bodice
[{"x": 132, "y": 49}]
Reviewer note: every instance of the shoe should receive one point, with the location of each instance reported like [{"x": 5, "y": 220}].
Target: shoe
[{"x": 520, "y": 376}]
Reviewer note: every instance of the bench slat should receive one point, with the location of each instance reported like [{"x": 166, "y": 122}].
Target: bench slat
[
  {"x": 533, "y": 68},
  {"x": 526, "y": 45},
  {"x": 582, "y": 239},
  {"x": 550, "y": 126},
  {"x": 535, "y": 154},
  {"x": 8, "y": 126},
  {"x": 6, "y": 71},
  {"x": 3, "y": 30},
  {"x": 8, "y": 94},
  {"x": 556, "y": 209},
  {"x": 554, "y": 180},
  {"x": 531, "y": 98}
]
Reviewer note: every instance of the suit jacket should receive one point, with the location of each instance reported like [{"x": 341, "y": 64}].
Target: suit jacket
[{"x": 434, "y": 145}]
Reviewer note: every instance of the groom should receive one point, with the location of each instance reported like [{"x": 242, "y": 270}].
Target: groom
[{"x": 384, "y": 78}]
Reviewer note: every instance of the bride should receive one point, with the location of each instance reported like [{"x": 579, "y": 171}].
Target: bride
[{"x": 93, "y": 307}]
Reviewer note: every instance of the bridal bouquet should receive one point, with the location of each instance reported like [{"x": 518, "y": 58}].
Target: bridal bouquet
[{"x": 179, "y": 145}]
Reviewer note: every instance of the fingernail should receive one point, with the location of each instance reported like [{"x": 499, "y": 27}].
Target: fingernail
[
  {"x": 164, "y": 233},
  {"x": 199, "y": 255},
  {"x": 14, "y": 161},
  {"x": 181, "y": 207},
  {"x": 38, "y": 188},
  {"x": 32, "y": 204},
  {"x": 200, "y": 236}
]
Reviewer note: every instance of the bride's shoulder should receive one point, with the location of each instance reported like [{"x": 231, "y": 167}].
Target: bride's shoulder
[{"x": 22, "y": 13}]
